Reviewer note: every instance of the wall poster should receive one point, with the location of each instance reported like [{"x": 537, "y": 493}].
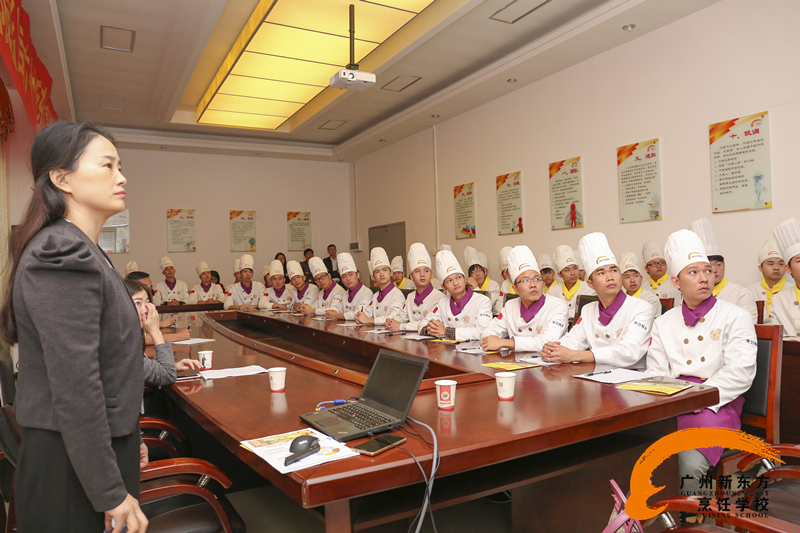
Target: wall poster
[
  {"x": 181, "y": 233},
  {"x": 243, "y": 231},
  {"x": 464, "y": 205},
  {"x": 566, "y": 194},
  {"x": 639, "y": 178},
  {"x": 115, "y": 237},
  {"x": 740, "y": 167},
  {"x": 509, "y": 203},
  {"x": 298, "y": 227}
]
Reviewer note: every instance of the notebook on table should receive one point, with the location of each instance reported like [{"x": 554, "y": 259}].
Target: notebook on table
[{"x": 385, "y": 400}]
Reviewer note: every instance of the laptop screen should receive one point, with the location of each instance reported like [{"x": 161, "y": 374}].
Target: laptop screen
[{"x": 394, "y": 380}]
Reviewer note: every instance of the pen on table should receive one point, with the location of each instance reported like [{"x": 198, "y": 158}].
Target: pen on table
[
  {"x": 598, "y": 373},
  {"x": 396, "y": 333}
]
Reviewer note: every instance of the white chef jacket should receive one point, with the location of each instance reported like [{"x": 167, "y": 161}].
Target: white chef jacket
[
  {"x": 334, "y": 301},
  {"x": 721, "y": 349},
  {"x": 650, "y": 297},
  {"x": 548, "y": 325},
  {"x": 162, "y": 294},
  {"x": 360, "y": 302},
  {"x": 237, "y": 296},
  {"x": 198, "y": 295},
  {"x": 493, "y": 292},
  {"x": 310, "y": 297},
  {"x": 406, "y": 284},
  {"x": 738, "y": 295},
  {"x": 390, "y": 307},
  {"x": 555, "y": 287},
  {"x": 412, "y": 314},
  {"x": 469, "y": 323},
  {"x": 270, "y": 298},
  {"x": 623, "y": 342},
  {"x": 760, "y": 295},
  {"x": 666, "y": 290},
  {"x": 785, "y": 311},
  {"x": 583, "y": 289}
]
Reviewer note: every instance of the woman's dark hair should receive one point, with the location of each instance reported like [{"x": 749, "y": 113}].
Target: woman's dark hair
[
  {"x": 279, "y": 254},
  {"x": 215, "y": 274},
  {"x": 58, "y": 146},
  {"x": 135, "y": 286},
  {"x": 137, "y": 275}
]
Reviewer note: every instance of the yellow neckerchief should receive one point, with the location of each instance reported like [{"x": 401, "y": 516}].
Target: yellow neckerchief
[
  {"x": 485, "y": 284},
  {"x": 797, "y": 292},
  {"x": 720, "y": 286},
  {"x": 773, "y": 291},
  {"x": 403, "y": 283},
  {"x": 569, "y": 294},
  {"x": 656, "y": 284},
  {"x": 547, "y": 287},
  {"x": 637, "y": 294}
]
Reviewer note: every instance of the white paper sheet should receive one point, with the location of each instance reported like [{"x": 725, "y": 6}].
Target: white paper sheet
[
  {"x": 275, "y": 449},
  {"x": 535, "y": 359},
  {"x": 417, "y": 337},
  {"x": 192, "y": 342},
  {"x": 233, "y": 372},
  {"x": 614, "y": 375}
]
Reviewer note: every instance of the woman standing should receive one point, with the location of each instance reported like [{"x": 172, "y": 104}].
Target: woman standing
[{"x": 80, "y": 365}]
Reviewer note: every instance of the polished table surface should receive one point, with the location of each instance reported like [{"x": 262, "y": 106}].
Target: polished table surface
[{"x": 551, "y": 409}]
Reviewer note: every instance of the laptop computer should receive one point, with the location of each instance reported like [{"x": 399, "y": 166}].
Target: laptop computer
[{"x": 385, "y": 400}]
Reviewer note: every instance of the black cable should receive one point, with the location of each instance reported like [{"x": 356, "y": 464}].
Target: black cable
[{"x": 415, "y": 434}]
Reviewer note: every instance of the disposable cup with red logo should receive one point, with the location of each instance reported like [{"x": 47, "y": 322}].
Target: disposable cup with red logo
[
  {"x": 505, "y": 385},
  {"x": 446, "y": 394}
]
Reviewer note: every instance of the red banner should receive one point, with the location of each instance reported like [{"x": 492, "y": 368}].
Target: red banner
[{"x": 30, "y": 76}]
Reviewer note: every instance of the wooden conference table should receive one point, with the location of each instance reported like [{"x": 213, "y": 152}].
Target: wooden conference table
[{"x": 555, "y": 446}]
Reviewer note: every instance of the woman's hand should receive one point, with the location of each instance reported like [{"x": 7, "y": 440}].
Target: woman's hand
[
  {"x": 144, "y": 456},
  {"x": 187, "y": 364},
  {"x": 128, "y": 513}
]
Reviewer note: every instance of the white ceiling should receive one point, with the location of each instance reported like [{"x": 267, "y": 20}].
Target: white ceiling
[{"x": 463, "y": 60}]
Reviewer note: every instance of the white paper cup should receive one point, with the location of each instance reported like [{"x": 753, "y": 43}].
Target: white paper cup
[
  {"x": 446, "y": 394},
  {"x": 277, "y": 378},
  {"x": 206, "y": 359},
  {"x": 505, "y": 385}
]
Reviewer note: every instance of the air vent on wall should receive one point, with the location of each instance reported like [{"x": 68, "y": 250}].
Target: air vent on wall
[
  {"x": 119, "y": 39},
  {"x": 111, "y": 103},
  {"x": 400, "y": 83},
  {"x": 517, "y": 10},
  {"x": 332, "y": 124}
]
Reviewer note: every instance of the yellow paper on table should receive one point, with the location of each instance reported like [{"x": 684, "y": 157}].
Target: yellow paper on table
[
  {"x": 659, "y": 385},
  {"x": 448, "y": 341},
  {"x": 511, "y": 366}
]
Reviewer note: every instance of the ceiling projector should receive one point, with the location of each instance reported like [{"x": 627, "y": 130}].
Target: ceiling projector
[{"x": 353, "y": 79}]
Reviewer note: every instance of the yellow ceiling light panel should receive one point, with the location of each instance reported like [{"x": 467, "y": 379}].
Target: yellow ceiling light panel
[
  {"x": 277, "y": 90},
  {"x": 414, "y": 6},
  {"x": 241, "y": 120},
  {"x": 257, "y": 106},
  {"x": 308, "y": 45},
  {"x": 285, "y": 69}
]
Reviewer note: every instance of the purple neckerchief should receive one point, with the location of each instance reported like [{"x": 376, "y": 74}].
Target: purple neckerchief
[
  {"x": 419, "y": 297},
  {"x": 607, "y": 314},
  {"x": 352, "y": 292},
  {"x": 247, "y": 290},
  {"x": 529, "y": 312},
  {"x": 692, "y": 316},
  {"x": 205, "y": 287},
  {"x": 302, "y": 293},
  {"x": 329, "y": 290},
  {"x": 279, "y": 294},
  {"x": 456, "y": 308},
  {"x": 171, "y": 286},
  {"x": 729, "y": 416},
  {"x": 385, "y": 292}
]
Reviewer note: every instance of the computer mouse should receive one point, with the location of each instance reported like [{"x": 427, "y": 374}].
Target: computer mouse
[{"x": 303, "y": 442}]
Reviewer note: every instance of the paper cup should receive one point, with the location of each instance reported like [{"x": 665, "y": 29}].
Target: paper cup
[
  {"x": 446, "y": 394},
  {"x": 206, "y": 359},
  {"x": 505, "y": 385},
  {"x": 277, "y": 378}
]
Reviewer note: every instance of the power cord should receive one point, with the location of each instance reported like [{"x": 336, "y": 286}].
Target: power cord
[{"x": 428, "y": 481}]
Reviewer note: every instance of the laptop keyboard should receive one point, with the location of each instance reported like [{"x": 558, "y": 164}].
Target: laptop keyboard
[{"x": 362, "y": 417}]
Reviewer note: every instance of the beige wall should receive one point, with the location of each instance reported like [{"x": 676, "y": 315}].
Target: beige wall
[{"x": 731, "y": 59}]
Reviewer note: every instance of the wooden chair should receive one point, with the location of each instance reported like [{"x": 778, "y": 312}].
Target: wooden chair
[
  {"x": 760, "y": 308},
  {"x": 666, "y": 304}
]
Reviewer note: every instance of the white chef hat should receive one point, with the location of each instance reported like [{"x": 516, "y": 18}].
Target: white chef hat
[
  {"x": 294, "y": 269},
  {"x": 379, "y": 258},
  {"x": 788, "y": 236},
  {"x": 471, "y": 257},
  {"x": 651, "y": 250},
  {"x": 346, "y": 263},
  {"x": 397, "y": 264},
  {"x": 236, "y": 267},
  {"x": 484, "y": 260},
  {"x": 131, "y": 267},
  {"x": 770, "y": 250},
  {"x": 503, "y": 259},
  {"x": 317, "y": 266},
  {"x": 683, "y": 248},
  {"x": 447, "y": 265},
  {"x": 564, "y": 257},
  {"x": 445, "y": 247},
  {"x": 418, "y": 256},
  {"x": 265, "y": 272},
  {"x": 275, "y": 268},
  {"x": 201, "y": 267},
  {"x": 369, "y": 267},
  {"x": 702, "y": 227},
  {"x": 520, "y": 259},
  {"x": 246, "y": 261},
  {"x": 596, "y": 252},
  {"x": 579, "y": 262},
  {"x": 545, "y": 261},
  {"x": 630, "y": 261},
  {"x": 165, "y": 262}
]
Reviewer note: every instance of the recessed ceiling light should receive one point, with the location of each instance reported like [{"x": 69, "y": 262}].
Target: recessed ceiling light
[
  {"x": 512, "y": 80},
  {"x": 434, "y": 116},
  {"x": 259, "y": 153},
  {"x": 163, "y": 147},
  {"x": 629, "y": 27}
]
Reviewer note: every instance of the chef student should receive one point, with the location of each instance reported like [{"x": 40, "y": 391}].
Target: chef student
[
  {"x": 704, "y": 340},
  {"x": 245, "y": 294},
  {"x": 785, "y": 309},
  {"x": 399, "y": 275},
  {"x": 331, "y": 295},
  {"x": 571, "y": 286},
  {"x": 614, "y": 331},
  {"x": 548, "y": 273},
  {"x": 132, "y": 266},
  {"x": 304, "y": 292},
  {"x": 632, "y": 282},
  {"x": 723, "y": 289},
  {"x": 277, "y": 296},
  {"x": 507, "y": 285},
  {"x": 237, "y": 272},
  {"x": 773, "y": 269},
  {"x": 462, "y": 314},
  {"x": 479, "y": 279},
  {"x": 655, "y": 264},
  {"x": 206, "y": 291},
  {"x": 170, "y": 291},
  {"x": 527, "y": 323},
  {"x": 358, "y": 296},
  {"x": 581, "y": 269},
  {"x": 422, "y": 301},
  {"x": 388, "y": 301}
]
